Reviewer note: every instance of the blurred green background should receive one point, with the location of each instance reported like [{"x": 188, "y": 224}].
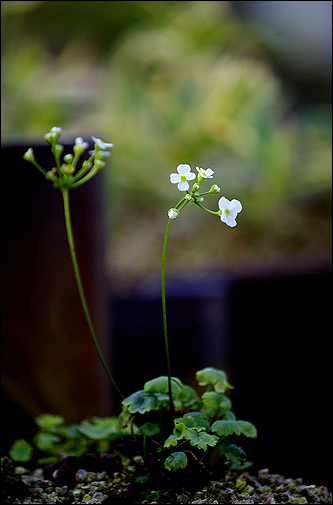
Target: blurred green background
[{"x": 170, "y": 83}]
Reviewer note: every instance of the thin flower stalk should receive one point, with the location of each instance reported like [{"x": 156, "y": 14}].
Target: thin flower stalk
[
  {"x": 71, "y": 244},
  {"x": 65, "y": 179}
]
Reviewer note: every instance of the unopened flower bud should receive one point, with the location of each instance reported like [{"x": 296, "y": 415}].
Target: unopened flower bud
[
  {"x": 80, "y": 146},
  {"x": 58, "y": 149},
  {"x": 56, "y": 129},
  {"x": 196, "y": 186},
  {"x": 86, "y": 165},
  {"x": 29, "y": 155},
  {"x": 53, "y": 135},
  {"x": 68, "y": 158},
  {"x": 173, "y": 213},
  {"x": 215, "y": 189},
  {"x": 67, "y": 169},
  {"x": 98, "y": 164},
  {"x": 50, "y": 176}
]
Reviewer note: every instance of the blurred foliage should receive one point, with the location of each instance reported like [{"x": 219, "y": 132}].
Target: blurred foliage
[{"x": 170, "y": 83}]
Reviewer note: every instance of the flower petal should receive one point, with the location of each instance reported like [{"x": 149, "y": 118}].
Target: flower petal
[
  {"x": 183, "y": 169},
  {"x": 183, "y": 186},
  {"x": 223, "y": 203},
  {"x": 235, "y": 205},
  {"x": 174, "y": 178},
  {"x": 190, "y": 176},
  {"x": 227, "y": 219},
  {"x": 231, "y": 222}
]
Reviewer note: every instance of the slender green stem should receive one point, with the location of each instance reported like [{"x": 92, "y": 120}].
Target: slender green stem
[
  {"x": 166, "y": 341},
  {"x": 79, "y": 284},
  {"x": 39, "y": 167},
  {"x": 218, "y": 213}
]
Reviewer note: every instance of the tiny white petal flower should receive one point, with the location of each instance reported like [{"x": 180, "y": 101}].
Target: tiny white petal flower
[
  {"x": 101, "y": 154},
  {"x": 205, "y": 173},
  {"x": 184, "y": 175},
  {"x": 101, "y": 144},
  {"x": 56, "y": 129},
  {"x": 229, "y": 210},
  {"x": 79, "y": 141},
  {"x": 173, "y": 213}
]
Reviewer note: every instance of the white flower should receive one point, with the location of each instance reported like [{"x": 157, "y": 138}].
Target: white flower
[
  {"x": 184, "y": 175},
  {"x": 100, "y": 154},
  {"x": 56, "y": 129},
  {"x": 79, "y": 141},
  {"x": 205, "y": 173},
  {"x": 101, "y": 144},
  {"x": 173, "y": 213},
  {"x": 229, "y": 210},
  {"x": 80, "y": 146}
]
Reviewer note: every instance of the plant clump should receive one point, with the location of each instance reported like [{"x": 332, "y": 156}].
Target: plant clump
[{"x": 150, "y": 453}]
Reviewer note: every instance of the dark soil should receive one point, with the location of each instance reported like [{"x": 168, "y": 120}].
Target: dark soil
[{"x": 107, "y": 479}]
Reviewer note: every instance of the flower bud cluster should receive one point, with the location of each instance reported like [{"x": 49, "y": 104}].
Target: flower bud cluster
[{"x": 64, "y": 175}]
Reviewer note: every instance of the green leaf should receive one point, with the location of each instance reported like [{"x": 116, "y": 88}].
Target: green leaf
[
  {"x": 189, "y": 396},
  {"x": 196, "y": 420},
  {"x": 230, "y": 416},
  {"x": 148, "y": 429},
  {"x": 248, "y": 429},
  {"x": 176, "y": 461},
  {"x": 71, "y": 431},
  {"x": 215, "y": 378},
  {"x": 141, "y": 401},
  {"x": 100, "y": 428},
  {"x": 163, "y": 400},
  {"x": 232, "y": 452},
  {"x": 200, "y": 438},
  {"x": 45, "y": 421},
  {"x": 46, "y": 441},
  {"x": 21, "y": 450},
  {"x": 216, "y": 401},
  {"x": 226, "y": 428},
  {"x": 161, "y": 385},
  {"x": 177, "y": 434},
  {"x": 242, "y": 466}
]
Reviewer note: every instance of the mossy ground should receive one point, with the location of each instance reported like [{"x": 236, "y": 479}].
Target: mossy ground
[{"x": 107, "y": 479}]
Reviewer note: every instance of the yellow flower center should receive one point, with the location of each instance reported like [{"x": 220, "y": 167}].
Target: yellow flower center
[{"x": 183, "y": 178}]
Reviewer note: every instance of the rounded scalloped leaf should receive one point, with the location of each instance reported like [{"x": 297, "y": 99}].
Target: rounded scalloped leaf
[
  {"x": 248, "y": 429},
  {"x": 214, "y": 400},
  {"x": 21, "y": 450},
  {"x": 176, "y": 461},
  {"x": 100, "y": 428},
  {"x": 188, "y": 394},
  {"x": 46, "y": 441},
  {"x": 148, "y": 429},
  {"x": 226, "y": 428},
  {"x": 160, "y": 385},
  {"x": 197, "y": 420},
  {"x": 45, "y": 421},
  {"x": 213, "y": 377},
  {"x": 232, "y": 452},
  {"x": 200, "y": 439},
  {"x": 141, "y": 401},
  {"x": 177, "y": 434}
]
